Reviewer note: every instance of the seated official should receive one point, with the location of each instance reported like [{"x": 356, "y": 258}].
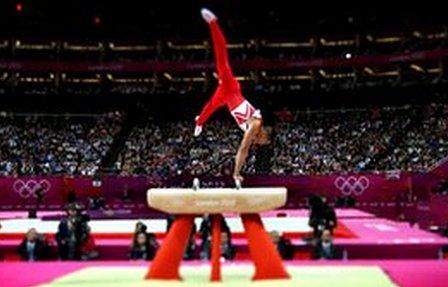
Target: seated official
[
  {"x": 33, "y": 247},
  {"x": 324, "y": 247}
]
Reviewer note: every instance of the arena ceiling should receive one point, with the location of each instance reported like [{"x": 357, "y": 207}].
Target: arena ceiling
[{"x": 180, "y": 19}]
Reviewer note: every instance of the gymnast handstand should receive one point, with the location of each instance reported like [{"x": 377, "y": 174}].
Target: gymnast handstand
[{"x": 229, "y": 94}]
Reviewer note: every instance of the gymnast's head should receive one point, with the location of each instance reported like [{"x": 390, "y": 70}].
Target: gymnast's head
[
  {"x": 264, "y": 136},
  {"x": 263, "y": 133}
]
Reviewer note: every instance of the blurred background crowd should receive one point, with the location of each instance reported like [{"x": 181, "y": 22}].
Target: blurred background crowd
[{"x": 405, "y": 138}]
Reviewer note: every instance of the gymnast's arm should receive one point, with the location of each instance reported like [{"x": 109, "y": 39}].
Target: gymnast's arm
[{"x": 243, "y": 150}]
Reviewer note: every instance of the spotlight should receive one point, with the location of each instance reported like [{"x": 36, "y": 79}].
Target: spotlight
[
  {"x": 97, "y": 20},
  {"x": 348, "y": 55},
  {"x": 19, "y": 7}
]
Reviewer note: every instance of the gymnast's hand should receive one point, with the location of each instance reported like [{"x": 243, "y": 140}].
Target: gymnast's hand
[
  {"x": 238, "y": 180},
  {"x": 197, "y": 128}
]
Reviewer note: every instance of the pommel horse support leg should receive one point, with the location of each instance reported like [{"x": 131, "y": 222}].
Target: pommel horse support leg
[
  {"x": 215, "y": 275},
  {"x": 167, "y": 262},
  {"x": 215, "y": 201},
  {"x": 268, "y": 263}
]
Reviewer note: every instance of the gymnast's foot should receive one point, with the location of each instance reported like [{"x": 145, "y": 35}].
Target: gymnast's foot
[{"x": 208, "y": 15}]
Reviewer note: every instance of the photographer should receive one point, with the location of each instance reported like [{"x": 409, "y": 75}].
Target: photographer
[
  {"x": 329, "y": 215},
  {"x": 322, "y": 216},
  {"x": 316, "y": 215},
  {"x": 73, "y": 232}
]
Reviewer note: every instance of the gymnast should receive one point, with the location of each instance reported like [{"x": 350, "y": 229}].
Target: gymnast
[{"x": 229, "y": 94}]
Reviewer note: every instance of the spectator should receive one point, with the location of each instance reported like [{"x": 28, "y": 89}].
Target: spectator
[
  {"x": 33, "y": 247},
  {"x": 284, "y": 246},
  {"x": 140, "y": 227},
  {"x": 205, "y": 231},
  {"x": 324, "y": 247},
  {"x": 407, "y": 138},
  {"x": 88, "y": 248},
  {"x": 39, "y": 145},
  {"x": 312, "y": 142},
  {"x": 143, "y": 247},
  {"x": 227, "y": 249},
  {"x": 192, "y": 249}
]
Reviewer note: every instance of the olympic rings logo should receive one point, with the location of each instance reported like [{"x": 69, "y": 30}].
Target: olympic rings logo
[
  {"x": 28, "y": 188},
  {"x": 352, "y": 184}
]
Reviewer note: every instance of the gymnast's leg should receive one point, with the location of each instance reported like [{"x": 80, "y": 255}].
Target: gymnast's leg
[{"x": 219, "y": 45}]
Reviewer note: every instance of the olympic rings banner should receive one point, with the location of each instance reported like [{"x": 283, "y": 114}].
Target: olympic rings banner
[
  {"x": 23, "y": 192},
  {"x": 364, "y": 188}
]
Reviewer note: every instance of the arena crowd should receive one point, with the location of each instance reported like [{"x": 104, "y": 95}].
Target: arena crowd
[{"x": 407, "y": 138}]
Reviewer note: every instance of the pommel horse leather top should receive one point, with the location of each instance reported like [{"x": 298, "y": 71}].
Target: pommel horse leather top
[
  {"x": 187, "y": 203},
  {"x": 216, "y": 200}
]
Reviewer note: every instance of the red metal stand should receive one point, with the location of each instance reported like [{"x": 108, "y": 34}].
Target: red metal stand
[
  {"x": 216, "y": 248},
  {"x": 267, "y": 260}
]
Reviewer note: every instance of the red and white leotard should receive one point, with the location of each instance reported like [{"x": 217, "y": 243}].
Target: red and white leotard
[{"x": 228, "y": 92}]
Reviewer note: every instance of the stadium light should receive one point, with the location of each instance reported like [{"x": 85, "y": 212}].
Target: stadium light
[
  {"x": 97, "y": 20},
  {"x": 19, "y": 7}
]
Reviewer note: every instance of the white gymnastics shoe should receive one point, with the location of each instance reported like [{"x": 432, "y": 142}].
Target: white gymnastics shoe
[
  {"x": 197, "y": 130},
  {"x": 208, "y": 15}
]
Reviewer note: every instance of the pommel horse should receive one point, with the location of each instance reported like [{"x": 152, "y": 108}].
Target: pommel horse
[{"x": 187, "y": 203}]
